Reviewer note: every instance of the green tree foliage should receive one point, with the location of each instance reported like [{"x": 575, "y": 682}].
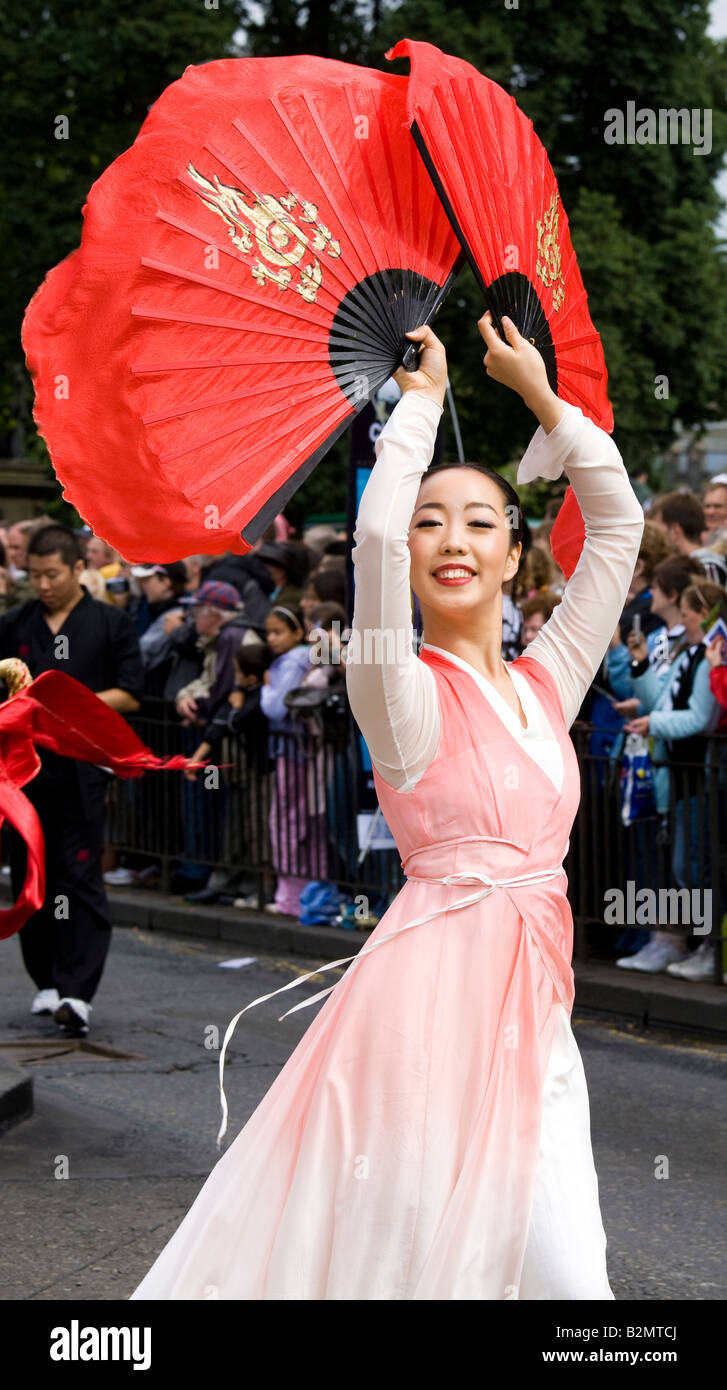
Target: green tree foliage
[
  {"x": 327, "y": 28},
  {"x": 100, "y": 64},
  {"x": 641, "y": 215}
]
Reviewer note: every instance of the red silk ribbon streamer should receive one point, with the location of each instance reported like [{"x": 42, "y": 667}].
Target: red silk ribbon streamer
[{"x": 56, "y": 712}]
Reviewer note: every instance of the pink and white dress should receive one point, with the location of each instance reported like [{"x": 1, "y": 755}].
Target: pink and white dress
[{"x": 429, "y": 1137}]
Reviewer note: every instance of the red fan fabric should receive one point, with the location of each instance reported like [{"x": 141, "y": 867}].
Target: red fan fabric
[
  {"x": 58, "y": 713},
  {"x": 184, "y": 375},
  {"x": 568, "y": 534},
  {"x": 504, "y": 202},
  {"x": 504, "y": 198}
]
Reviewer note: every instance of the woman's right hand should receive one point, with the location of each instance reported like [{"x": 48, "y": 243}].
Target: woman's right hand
[
  {"x": 431, "y": 375},
  {"x": 636, "y": 643}
]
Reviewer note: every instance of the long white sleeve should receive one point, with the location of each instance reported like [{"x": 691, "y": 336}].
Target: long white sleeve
[
  {"x": 573, "y": 642},
  {"x": 391, "y": 692}
]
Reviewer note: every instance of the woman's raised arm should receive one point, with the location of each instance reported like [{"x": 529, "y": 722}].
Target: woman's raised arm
[
  {"x": 391, "y": 692},
  {"x": 573, "y": 642}
]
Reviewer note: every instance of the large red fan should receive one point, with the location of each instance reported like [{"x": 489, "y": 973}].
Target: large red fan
[
  {"x": 246, "y": 275},
  {"x": 495, "y": 180}
]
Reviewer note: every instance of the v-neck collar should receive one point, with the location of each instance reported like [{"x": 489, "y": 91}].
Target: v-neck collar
[
  {"x": 469, "y": 670},
  {"x": 497, "y": 699}
]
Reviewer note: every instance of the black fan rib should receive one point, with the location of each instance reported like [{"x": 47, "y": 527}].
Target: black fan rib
[{"x": 364, "y": 347}]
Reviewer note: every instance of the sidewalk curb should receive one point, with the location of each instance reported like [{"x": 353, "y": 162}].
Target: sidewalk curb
[
  {"x": 657, "y": 1001},
  {"x": 16, "y": 1094},
  {"x": 601, "y": 988},
  {"x": 151, "y": 911}
]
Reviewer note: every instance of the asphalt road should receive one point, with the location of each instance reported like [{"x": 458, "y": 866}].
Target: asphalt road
[{"x": 96, "y": 1182}]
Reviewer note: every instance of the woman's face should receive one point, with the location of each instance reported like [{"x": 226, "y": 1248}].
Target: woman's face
[
  {"x": 460, "y": 541},
  {"x": 280, "y": 637},
  {"x": 658, "y": 600},
  {"x": 692, "y": 621}
]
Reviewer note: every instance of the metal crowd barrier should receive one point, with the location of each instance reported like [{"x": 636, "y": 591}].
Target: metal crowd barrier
[
  {"x": 300, "y": 813},
  {"x": 638, "y": 861},
  {"x": 252, "y": 814}
]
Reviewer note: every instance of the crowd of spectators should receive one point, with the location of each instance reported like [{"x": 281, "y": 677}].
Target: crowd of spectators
[
  {"x": 223, "y": 639},
  {"x": 665, "y": 684}
]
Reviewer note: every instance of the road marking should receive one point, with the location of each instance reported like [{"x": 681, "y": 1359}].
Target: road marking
[{"x": 705, "y": 1048}]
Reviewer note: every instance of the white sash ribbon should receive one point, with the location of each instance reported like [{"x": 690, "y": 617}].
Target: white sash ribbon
[{"x": 518, "y": 881}]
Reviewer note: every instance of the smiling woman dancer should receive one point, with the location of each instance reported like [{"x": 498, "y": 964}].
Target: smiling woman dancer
[{"x": 429, "y": 1137}]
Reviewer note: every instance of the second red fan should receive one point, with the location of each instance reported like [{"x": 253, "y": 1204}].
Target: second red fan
[{"x": 494, "y": 178}]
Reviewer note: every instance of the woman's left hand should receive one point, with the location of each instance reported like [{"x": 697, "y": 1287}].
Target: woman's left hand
[
  {"x": 638, "y": 726},
  {"x": 516, "y": 363}
]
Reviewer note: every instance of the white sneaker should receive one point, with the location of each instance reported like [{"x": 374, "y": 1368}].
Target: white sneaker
[
  {"x": 118, "y": 877},
  {"x": 699, "y": 965},
  {"x": 46, "y": 1001},
  {"x": 250, "y": 901},
  {"x": 627, "y": 962},
  {"x": 654, "y": 956},
  {"x": 72, "y": 1014}
]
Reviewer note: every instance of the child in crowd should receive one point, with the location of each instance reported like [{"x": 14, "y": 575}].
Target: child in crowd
[
  {"x": 241, "y": 714},
  {"x": 297, "y": 837},
  {"x": 335, "y": 771},
  {"x": 327, "y": 654},
  {"x": 241, "y": 717}
]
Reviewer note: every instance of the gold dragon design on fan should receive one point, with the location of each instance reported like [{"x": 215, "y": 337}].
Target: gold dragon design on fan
[
  {"x": 548, "y": 266},
  {"x": 269, "y": 224}
]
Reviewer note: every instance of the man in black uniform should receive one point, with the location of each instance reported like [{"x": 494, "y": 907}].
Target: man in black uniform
[{"x": 65, "y": 943}]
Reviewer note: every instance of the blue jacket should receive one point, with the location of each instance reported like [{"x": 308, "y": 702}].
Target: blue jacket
[
  {"x": 701, "y": 716},
  {"x": 619, "y": 664},
  {"x": 286, "y": 673}
]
